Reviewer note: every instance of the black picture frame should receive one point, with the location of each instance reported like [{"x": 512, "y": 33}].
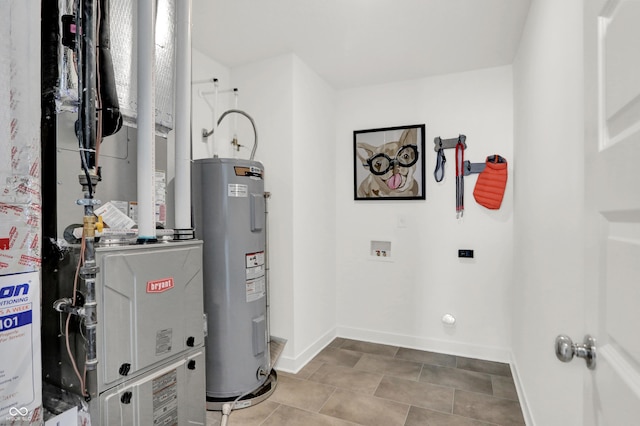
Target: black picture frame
[{"x": 378, "y": 153}]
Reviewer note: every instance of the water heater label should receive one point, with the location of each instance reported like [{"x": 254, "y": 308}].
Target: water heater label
[
  {"x": 255, "y": 289},
  {"x": 160, "y": 286},
  {"x": 255, "y": 259},
  {"x": 237, "y": 190},
  {"x": 255, "y": 271},
  {"x": 251, "y": 172}
]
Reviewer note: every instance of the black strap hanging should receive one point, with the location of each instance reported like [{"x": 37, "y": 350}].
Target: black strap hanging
[
  {"x": 459, "y": 180},
  {"x": 440, "y": 146},
  {"x": 438, "y": 173}
]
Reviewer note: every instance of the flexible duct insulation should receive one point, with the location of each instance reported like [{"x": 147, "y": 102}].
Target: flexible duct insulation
[
  {"x": 122, "y": 48},
  {"x": 86, "y": 52},
  {"x": 111, "y": 117}
]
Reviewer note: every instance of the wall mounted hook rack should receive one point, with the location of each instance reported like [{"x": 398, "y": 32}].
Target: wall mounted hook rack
[
  {"x": 440, "y": 143},
  {"x": 473, "y": 168},
  {"x": 439, "y": 146}
]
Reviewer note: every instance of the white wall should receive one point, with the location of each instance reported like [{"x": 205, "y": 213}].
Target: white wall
[
  {"x": 270, "y": 105},
  {"x": 294, "y": 112},
  {"x": 548, "y": 210},
  {"x": 314, "y": 206},
  {"x": 402, "y": 302},
  {"x": 204, "y": 68},
  {"x": 267, "y": 95}
]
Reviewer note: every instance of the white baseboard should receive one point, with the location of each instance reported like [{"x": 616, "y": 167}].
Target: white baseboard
[
  {"x": 295, "y": 364},
  {"x": 489, "y": 353},
  {"x": 522, "y": 396}
]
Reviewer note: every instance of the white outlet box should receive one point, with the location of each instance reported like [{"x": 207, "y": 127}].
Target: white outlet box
[{"x": 380, "y": 250}]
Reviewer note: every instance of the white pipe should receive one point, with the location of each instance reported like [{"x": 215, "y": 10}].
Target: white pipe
[
  {"x": 214, "y": 118},
  {"x": 183, "y": 115},
  {"x": 146, "y": 121}
]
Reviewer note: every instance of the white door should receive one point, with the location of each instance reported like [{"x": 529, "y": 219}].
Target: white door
[{"x": 612, "y": 179}]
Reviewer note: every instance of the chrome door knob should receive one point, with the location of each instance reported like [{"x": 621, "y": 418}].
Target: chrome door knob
[{"x": 566, "y": 350}]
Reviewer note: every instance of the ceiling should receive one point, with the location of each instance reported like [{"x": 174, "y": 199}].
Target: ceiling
[{"x": 352, "y": 43}]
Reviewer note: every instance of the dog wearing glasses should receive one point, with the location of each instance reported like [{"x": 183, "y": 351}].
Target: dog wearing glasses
[{"x": 391, "y": 167}]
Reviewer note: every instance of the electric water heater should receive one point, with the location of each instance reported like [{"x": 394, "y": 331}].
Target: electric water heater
[{"x": 229, "y": 216}]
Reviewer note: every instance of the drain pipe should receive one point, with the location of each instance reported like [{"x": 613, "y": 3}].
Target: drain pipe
[
  {"x": 183, "y": 229},
  {"x": 146, "y": 122}
]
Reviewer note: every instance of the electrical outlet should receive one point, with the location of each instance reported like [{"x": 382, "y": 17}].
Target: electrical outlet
[{"x": 465, "y": 253}]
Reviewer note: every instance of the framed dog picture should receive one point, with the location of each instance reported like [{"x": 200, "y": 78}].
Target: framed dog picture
[{"x": 389, "y": 163}]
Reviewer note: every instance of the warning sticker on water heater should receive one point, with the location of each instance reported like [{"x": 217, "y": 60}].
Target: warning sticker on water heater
[
  {"x": 255, "y": 289},
  {"x": 255, "y": 276},
  {"x": 254, "y": 259},
  {"x": 237, "y": 190}
]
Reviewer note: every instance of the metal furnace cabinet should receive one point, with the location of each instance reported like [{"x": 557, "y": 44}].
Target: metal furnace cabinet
[{"x": 150, "y": 335}]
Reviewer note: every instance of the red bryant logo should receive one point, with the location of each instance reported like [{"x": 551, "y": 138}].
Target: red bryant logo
[{"x": 159, "y": 286}]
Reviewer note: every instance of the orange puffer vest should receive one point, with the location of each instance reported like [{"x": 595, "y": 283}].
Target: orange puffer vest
[{"x": 491, "y": 183}]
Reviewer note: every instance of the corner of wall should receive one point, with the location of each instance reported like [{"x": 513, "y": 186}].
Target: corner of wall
[
  {"x": 293, "y": 364},
  {"x": 522, "y": 395}
]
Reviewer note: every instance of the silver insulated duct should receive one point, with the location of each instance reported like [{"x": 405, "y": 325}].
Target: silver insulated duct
[{"x": 229, "y": 216}]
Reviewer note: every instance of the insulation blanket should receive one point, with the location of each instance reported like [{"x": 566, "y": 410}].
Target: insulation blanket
[
  {"x": 19, "y": 139},
  {"x": 20, "y": 213},
  {"x": 20, "y": 389},
  {"x": 19, "y": 237}
]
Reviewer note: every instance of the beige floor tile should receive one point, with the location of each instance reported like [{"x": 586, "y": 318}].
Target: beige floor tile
[
  {"x": 353, "y": 383},
  {"x": 254, "y": 415},
  {"x": 456, "y": 378},
  {"x": 302, "y": 394},
  {"x": 487, "y": 408},
  {"x": 213, "y": 418},
  {"x": 426, "y": 357},
  {"x": 337, "y": 342},
  {"x": 504, "y": 387},
  {"x": 364, "y": 409},
  {"x": 421, "y": 417},
  {"x": 306, "y": 371},
  {"x": 482, "y": 366},
  {"x": 338, "y": 357},
  {"x": 289, "y": 416},
  {"x": 390, "y": 366},
  {"x": 424, "y": 395},
  {"x": 347, "y": 378},
  {"x": 370, "y": 348}
]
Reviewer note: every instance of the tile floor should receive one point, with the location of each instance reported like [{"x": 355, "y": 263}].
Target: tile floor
[{"x": 359, "y": 383}]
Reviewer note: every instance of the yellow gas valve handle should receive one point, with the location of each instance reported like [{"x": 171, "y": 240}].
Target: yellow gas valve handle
[{"x": 99, "y": 224}]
